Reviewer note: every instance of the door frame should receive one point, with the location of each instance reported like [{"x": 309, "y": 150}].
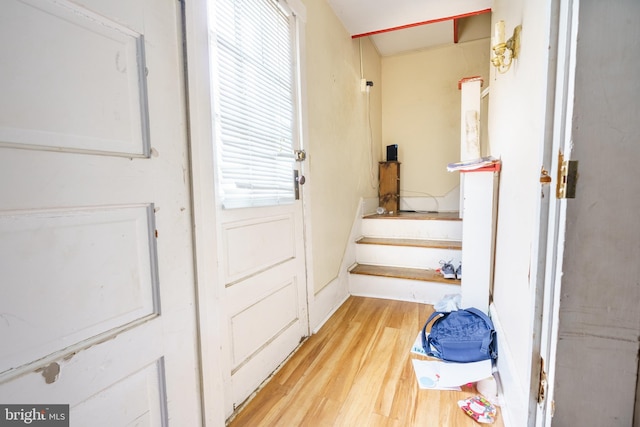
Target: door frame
[
  {"x": 210, "y": 307},
  {"x": 563, "y": 32},
  {"x": 211, "y": 310}
]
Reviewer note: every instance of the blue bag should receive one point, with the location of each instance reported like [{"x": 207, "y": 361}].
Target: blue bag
[{"x": 460, "y": 336}]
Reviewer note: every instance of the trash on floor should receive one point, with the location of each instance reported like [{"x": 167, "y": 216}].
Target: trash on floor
[
  {"x": 478, "y": 408},
  {"x": 417, "y": 346},
  {"x": 449, "y": 302},
  {"x": 488, "y": 388},
  {"x": 449, "y": 376},
  {"x": 428, "y": 376}
]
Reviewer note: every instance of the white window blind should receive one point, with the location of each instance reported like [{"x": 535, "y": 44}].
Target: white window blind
[{"x": 254, "y": 104}]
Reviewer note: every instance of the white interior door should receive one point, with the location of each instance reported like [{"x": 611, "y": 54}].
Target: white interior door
[{"x": 97, "y": 306}]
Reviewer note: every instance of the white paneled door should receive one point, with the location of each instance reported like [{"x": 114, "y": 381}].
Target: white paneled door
[
  {"x": 265, "y": 284},
  {"x": 255, "y": 62},
  {"x": 96, "y": 286}
]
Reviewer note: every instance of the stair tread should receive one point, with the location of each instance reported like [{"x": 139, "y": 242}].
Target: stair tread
[
  {"x": 420, "y": 243},
  {"x": 426, "y": 275},
  {"x": 443, "y": 216}
]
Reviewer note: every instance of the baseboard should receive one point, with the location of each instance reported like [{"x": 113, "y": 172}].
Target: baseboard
[
  {"x": 512, "y": 394},
  {"x": 326, "y": 303},
  {"x": 369, "y": 205}
]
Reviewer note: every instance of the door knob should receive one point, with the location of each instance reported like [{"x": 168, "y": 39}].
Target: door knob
[{"x": 300, "y": 179}]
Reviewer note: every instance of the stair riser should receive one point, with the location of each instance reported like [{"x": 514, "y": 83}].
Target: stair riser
[
  {"x": 399, "y": 228},
  {"x": 406, "y": 256},
  {"x": 399, "y": 289}
]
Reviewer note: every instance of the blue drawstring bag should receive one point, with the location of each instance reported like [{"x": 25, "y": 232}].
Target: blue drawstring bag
[{"x": 460, "y": 336}]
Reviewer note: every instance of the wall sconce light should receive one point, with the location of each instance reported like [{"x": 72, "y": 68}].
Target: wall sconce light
[{"x": 505, "y": 52}]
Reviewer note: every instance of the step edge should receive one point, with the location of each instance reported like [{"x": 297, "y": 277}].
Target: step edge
[
  {"x": 436, "y": 278},
  {"x": 407, "y": 242}
]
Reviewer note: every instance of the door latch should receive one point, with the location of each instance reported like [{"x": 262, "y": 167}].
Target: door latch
[
  {"x": 300, "y": 155},
  {"x": 298, "y": 180}
]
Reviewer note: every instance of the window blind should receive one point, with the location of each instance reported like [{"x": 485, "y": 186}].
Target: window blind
[{"x": 254, "y": 104}]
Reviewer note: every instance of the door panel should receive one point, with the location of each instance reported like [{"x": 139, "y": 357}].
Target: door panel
[
  {"x": 142, "y": 393},
  {"x": 97, "y": 307},
  {"x": 257, "y": 244},
  {"x": 80, "y": 45},
  {"x": 248, "y": 339},
  {"x": 264, "y": 276},
  {"x": 111, "y": 253},
  {"x": 94, "y": 376}
]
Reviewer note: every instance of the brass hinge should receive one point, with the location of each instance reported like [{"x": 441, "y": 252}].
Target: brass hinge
[
  {"x": 542, "y": 386},
  {"x": 567, "y": 178}
]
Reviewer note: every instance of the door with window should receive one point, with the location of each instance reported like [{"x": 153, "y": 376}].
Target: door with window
[{"x": 258, "y": 161}]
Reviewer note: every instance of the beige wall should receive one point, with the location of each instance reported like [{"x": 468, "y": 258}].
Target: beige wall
[
  {"x": 421, "y": 112},
  {"x": 517, "y": 109},
  {"x": 341, "y": 157}
]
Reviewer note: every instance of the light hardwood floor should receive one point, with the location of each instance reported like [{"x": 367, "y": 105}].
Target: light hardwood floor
[{"x": 356, "y": 371}]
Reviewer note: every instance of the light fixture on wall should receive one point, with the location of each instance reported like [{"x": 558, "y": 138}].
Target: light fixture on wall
[{"x": 505, "y": 52}]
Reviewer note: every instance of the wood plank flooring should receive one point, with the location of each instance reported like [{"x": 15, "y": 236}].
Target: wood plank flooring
[{"x": 356, "y": 371}]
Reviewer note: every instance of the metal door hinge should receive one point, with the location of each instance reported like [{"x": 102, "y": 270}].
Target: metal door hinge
[
  {"x": 542, "y": 386},
  {"x": 567, "y": 178}
]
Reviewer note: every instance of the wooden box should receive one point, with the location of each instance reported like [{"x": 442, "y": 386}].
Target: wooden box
[{"x": 389, "y": 186}]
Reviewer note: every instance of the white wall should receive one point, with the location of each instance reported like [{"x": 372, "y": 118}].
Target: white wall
[{"x": 517, "y": 131}]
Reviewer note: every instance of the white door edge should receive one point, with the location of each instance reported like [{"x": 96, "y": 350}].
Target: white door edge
[
  {"x": 209, "y": 307},
  {"x": 564, "y": 25}
]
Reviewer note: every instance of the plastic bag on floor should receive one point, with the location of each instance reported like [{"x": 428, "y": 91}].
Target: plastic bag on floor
[
  {"x": 449, "y": 303},
  {"x": 479, "y": 408}
]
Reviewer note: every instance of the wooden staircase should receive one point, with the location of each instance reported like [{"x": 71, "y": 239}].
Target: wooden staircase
[{"x": 399, "y": 255}]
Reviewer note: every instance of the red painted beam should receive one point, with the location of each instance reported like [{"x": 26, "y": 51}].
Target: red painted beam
[
  {"x": 417, "y": 24},
  {"x": 470, "y": 79},
  {"x": 455, "y": 30}
]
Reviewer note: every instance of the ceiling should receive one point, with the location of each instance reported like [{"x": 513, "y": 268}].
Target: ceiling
[{"x": 398, "y": 26}]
